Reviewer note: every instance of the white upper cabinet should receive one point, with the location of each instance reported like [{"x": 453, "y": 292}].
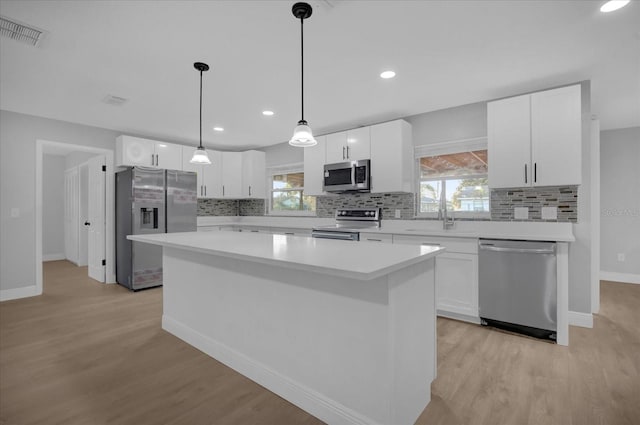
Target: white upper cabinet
[
  {"x": 392, "y": 157},
  {"x": 348, "y": 145},
  {"x": 232, "y": 175},
  {"x": 535, "y": 139},
  {"x": 135, "y": 151},
  {"x": 254, "y": 174},
  {"x": 314, "y": 160},
  {"x": 556, "y": 136},
  {"x": 209, "y": 176}
]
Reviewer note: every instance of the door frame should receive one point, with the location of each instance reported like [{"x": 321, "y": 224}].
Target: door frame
[{"x": 110, "y": 249}]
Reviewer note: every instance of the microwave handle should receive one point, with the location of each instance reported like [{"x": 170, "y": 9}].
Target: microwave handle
[{"x": 353, "y": 175}]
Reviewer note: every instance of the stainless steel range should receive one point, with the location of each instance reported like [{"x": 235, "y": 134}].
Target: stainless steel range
[{"x": 349, "y": 224}]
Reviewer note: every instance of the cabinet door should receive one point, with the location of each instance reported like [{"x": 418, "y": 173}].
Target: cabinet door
[
  {"x": 232, "y": 175},
  {"x": 509, "y": 142},
  {"x": 134, "y": 151},
  {"x": 359, "y": 143},
  {"x": 254, "y": 174},
  {"x": 457, "y": 284},
  {"x": 212, "y": 175},
  {"x": 168, "y": 156},
  {"x": 556, "y": 137},
  {"x": 391, "y": 157},
  {"x": 314, "y": 160},
  {"x": 336, "y": 147}
]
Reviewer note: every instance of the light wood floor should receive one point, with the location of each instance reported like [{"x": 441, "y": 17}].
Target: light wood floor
[{"x": 87, "y": 353}]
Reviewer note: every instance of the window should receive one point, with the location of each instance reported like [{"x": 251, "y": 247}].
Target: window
[
  {"x": 455, "y": 179},
  {"x": 287, "y": 193}
]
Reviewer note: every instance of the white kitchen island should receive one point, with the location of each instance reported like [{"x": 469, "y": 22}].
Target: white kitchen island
[{"x": 344, "y": 330}]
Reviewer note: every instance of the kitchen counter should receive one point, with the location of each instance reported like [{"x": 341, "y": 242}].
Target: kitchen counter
[
  {"x": 307, "y": 254},
  {"x": 345, "y": 331},
  {"x": 546, "y": 231}
]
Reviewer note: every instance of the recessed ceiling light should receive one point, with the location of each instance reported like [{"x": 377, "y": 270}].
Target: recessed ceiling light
[
  {"x": 612, "y": 5},
  {"x": 387, "y": 74},
  {"x": 218, "y": 128},
  {"x": 267, "y": 113}
]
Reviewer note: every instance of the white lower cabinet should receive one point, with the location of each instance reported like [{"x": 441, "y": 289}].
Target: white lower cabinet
[{"x": 456, "y": 275}]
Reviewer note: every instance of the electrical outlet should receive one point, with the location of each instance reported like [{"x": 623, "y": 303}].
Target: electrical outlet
[
  {"x": 398, "y": 213},
  {"x": 621, "y": 257},
  {"x": 521, "y": 213},
  {"x": 549, "y": 213}
]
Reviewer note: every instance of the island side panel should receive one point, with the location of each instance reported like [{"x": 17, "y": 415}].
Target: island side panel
[
  {"x": 319, "y": 341},
  {"x": 412, "y": 335}
]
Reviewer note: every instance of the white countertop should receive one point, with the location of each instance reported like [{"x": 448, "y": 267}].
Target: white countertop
[
  {"x": 356, "y": 260},
  {"x": 541, "y": 231}
]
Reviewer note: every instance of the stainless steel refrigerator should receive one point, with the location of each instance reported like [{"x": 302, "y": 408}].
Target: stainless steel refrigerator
[{"x": 150, "y": 201}]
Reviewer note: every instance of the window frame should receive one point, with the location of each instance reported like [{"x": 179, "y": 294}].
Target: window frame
[
  {"x": 445, "y": 148},
  {"x": 286, "y": 169}
]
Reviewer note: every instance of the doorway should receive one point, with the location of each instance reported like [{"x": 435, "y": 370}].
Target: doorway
[{"x": 102, "y": 238}]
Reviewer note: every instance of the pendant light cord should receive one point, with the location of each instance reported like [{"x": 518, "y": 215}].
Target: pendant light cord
[
  {"x": 302, "y": 66},
  {"x": 200, "y": 109}
]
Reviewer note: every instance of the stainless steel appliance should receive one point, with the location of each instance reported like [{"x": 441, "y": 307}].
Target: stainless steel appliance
[
  {"x": 150, "y": 201},
  {"x": 517, "y": 286},
  {"x": 352, "y": 176},
  {"x": 349, "y": 224}
]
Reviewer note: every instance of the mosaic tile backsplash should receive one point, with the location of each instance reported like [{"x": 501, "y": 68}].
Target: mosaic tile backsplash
[
  {"x": 564, "y": 198},
  {"x": 230, "y": 207},
  {"x": 503, "y": 201},
  {"x": 389, "y": 202}
]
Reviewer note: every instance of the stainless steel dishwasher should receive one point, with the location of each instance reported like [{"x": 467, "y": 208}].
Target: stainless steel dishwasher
[{"x": 517, "y": 286}]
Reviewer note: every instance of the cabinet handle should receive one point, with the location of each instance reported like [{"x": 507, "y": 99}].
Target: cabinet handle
[
  {"x": 535, "y": 172},
  {"x": 525, "y": 173},
  {"x": 205, "y": 191},
  {"x": 289, "y": 233},
  {"x": 152, "y": 159},
  {"x": 347, "y": 152},
  {"x": 222, "y": 190},
  {"x": 343, "y": 157},
  {"x": 249, "y": 190},
  {"x": 201, "y": 190},
  {"x": 374, "y": 240}
]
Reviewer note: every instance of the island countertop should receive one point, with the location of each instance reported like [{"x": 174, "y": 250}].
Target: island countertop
[{"x": 362, "y": 261}]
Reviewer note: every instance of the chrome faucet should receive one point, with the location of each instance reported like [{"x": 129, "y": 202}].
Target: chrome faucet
[{"x": 447, "y": 222}]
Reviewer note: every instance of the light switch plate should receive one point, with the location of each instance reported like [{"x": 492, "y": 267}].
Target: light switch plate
[
  {"x": 521, "y": 213},
  {"x": 549, "y": 213}
]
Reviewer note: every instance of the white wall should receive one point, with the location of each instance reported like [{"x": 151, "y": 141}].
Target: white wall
[
  {"x": 620, "y": 200},
  {"x": 53, "y": 167},
  {"x": 18, "y": 135},
  {"x": 459, "y": 123}
]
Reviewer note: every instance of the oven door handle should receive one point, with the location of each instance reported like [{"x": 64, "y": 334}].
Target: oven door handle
[{"x": 332, "y": 235}]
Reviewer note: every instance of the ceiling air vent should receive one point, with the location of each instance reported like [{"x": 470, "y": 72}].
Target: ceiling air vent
[
  {"x": 15, "y": 30},
  {"x": 114, "y": 100}
]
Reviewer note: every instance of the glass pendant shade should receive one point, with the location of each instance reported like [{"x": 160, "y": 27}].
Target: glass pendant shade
[
  {"x": 302, "y": 136},
  {"x": 200, "y": 156}
]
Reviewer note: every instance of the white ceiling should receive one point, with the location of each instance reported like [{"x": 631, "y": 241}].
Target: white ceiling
[{"x": 445, "y": 53}]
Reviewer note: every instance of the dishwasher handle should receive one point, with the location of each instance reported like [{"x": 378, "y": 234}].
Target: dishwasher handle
[{"x": 519, "y": 250}]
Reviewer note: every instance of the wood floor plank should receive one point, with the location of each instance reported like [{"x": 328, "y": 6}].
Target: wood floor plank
[{"x": 88, "y": 353}]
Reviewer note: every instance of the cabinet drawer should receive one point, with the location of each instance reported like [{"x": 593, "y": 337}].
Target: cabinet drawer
[
  {"x": 461, "y": 245},
  {"x": 376, "y": 237}
]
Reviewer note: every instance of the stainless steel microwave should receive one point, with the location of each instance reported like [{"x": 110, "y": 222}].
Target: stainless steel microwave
[{"x": 352, "y": 176}]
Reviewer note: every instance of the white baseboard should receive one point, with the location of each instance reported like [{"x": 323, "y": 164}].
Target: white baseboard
[
  {"x": 459, "y": 316},
  {"x": 16, "y": 293},
  {"x": 584, "y": 320},
  {"x": 620, "y": 277},
  {"x": 326, "y": 409},
  {"x": 53, "y": 257}
]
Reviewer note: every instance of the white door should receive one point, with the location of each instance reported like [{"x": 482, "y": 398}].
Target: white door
[
  {"x": 83, "y": 206},
  {"x": 96, "y": 214}
]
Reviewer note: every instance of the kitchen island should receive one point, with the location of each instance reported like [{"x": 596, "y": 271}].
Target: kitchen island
[{"x": 345, "y": 331}]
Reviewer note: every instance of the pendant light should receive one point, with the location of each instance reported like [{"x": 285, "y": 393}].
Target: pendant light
[
  {"x": 302, "y": 136},
  {"x": 200, "y": 155}
]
